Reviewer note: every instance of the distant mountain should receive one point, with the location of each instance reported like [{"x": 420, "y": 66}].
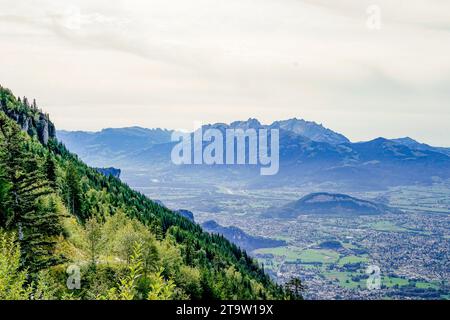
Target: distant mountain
[
  {"x": 115, "y": 143},
  {"x": 308, "y": 129},
  {"x": 411, "y": 143},
  {"x": 371, "y": 165},
  {"x": 309, "y": 154},
  {"x": 240, "y": 238},
  {"x": 328, "y": 204},
  {"x": 108, "y": 145}
]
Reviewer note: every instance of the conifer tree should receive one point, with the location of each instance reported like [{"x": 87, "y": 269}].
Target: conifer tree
[
  {"x": 13, "y": 160},
  {"x": 36, "y": 219},
  {"x": 4, "y": 193},
  {"x": 41, "y": 227},
  {"x": 50, "y": 171},
  {"x": 73, "y": 190}
]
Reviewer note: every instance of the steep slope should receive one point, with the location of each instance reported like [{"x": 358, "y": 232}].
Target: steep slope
[
  {"x": 111, "y": 231},
  {"x": 328, "y": 204}
]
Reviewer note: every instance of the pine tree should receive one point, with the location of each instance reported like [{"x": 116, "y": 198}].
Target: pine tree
[
  {"x": 13, "y": 159},
  {"x": 31, "y": 211},
  {"x": 73, "y": 190},
  {"x": 41, "y": 227},
  {"x": 25, "y": 102},
  {"x": 50, "y": 170},
  {"x": 4, "y": 194}
]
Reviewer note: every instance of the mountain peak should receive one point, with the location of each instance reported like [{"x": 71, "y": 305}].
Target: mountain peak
[
  {"x": 251, "y": 123},
  {"x": 312, "y": 130},
  {"x": 406, "y": 139},
  {"x": 379, "y": 140}
]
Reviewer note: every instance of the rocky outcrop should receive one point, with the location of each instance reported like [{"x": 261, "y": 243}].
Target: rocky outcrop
[
  {"x": 35, "y": 122},
  {"x": 45, "y": 129},
  {"x": 31, "y": 120}
]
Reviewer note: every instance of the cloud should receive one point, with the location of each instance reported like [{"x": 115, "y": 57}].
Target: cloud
[
  {"x": 415, "y": 13},
  {"x": 219, "y": 60},
  {"x": 74, "y": 19}
]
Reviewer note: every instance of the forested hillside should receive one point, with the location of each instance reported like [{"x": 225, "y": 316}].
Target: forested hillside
[{"x": 58, "y": 217}]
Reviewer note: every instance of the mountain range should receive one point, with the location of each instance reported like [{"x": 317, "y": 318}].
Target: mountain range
[
  {"x": 110, "y": 143},
  {"x": 309, "y": 153}
]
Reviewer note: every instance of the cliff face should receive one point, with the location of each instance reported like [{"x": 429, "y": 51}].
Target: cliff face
[{"x": 29, "y": 117}]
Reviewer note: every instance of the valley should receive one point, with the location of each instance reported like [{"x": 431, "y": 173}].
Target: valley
[{"x": 411, "y": 248}]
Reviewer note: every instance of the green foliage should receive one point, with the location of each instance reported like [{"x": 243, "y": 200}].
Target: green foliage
[
  {"x": 32, "y": 209},
  {"x": 160, "y": 289},
  {"x": 4, "y": 194},
  {"x": 189, "y": 280},
  {"x": 46, "y": 286},
  {"x": 94, "y": 240},
  {"x": 13, "y": 281},
  {"x": 127, "y": 246},
  {"x": 128, "y": 284},
  {"x": 51, "y": 171},
  {"x": 72, "y": 190},
  {"x": 41, "y": 228}
]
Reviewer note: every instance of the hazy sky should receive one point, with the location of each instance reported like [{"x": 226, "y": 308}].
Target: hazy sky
[{"x": 170, "y": 63}]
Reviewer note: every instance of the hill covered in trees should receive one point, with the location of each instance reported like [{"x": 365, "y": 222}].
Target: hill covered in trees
[
  {"x": 68, "y": 231},
  {"x": 323, "y": 203}
]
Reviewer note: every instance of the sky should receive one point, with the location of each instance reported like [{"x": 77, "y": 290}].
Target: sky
[{"x": 362, "y": 68}]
